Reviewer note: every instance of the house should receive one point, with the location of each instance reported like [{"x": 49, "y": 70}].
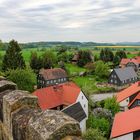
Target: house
[
  {"x": 126, "y": 125},
  {"x": 135, "y": 102},
  {"x": 48, "y": 77},
  {"x": 134, "y": 62},
  {"x": 126, "y": 96},
  {"x": 123, "y": 76},
  {"x": 66, "y": 97},
  {"x": 76, "y": 58}
]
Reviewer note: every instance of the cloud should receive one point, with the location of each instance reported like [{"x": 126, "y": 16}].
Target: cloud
[{"x": 81, "y": 20}]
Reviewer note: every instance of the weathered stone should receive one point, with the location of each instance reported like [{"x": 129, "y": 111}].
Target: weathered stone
[
  {"x": 2, "y": 78},
  {"x": 22, "y": 119},
  {"x": 5, "y": 85},
  {"x": 15, "y": 100},
  {"x": 2, "y": 94},
  {"x": 52, "y": 125}
]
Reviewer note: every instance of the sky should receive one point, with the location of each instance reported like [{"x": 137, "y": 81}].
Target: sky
[{"x": 70, "y": 20}]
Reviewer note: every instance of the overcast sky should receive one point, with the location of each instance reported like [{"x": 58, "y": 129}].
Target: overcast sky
[{"x": 70, "y": 20}]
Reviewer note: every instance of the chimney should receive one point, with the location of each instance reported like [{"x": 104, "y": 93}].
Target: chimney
[{"x": 57, "y": 87}]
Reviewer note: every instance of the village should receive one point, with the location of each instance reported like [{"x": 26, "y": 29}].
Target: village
[{"x": 110, "y": 114}]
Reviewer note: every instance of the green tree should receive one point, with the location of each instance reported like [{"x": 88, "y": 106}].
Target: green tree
[
  {"x": 84, "y": 57},
  {"x": 121, "y": 54},
  {"x": 36, "y": 62},
  {"x": 63, "y": 57},
  {"x": 24, "y": 78},
  {"x": 106, "y": 55},
  {"x": 1, "y": 45},
  {"x": 93, "y": 134},
  {"x": 101, "y": 124},
  {"x": 111, "y": 104},
  {"x": 49, "y": 59},
  {"x": 116, "y": 60},
  {"x": 13, "y": 58},
  {"x": 61, "y": 49},
  {"x": 101, "y": 69}
]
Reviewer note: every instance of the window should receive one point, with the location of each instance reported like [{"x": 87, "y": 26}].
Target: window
[
  {"x": 138, "y": 102},
  {"x": 82, "y": 97},
  {"x": 54, "y": 81},
  {"x": 84, "y": 105}
]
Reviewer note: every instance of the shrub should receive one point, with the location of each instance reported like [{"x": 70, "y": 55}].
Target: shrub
[
  {"x": 93, "y": 134},
  {"x": 101, "y": 124},
  {"x": 111, "y": 104},
  {"x": 101, "y": 69},
  {"x": 24, "y": 78}
]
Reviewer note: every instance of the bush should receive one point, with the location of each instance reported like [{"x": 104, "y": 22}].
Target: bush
[
  {"x": 101, "y": 124},
  {"x": 111, "y": 104},
  {"x": 101, "y": 69},
  {"x": 93, "y": 134},
  {"x": 103, "y": 113},
  {"x": 24, "y": 78}
]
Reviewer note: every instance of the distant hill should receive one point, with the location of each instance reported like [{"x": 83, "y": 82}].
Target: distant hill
[
  {"x": 71, "y": 44},
  {"x": 68, "y": 44},
  {"x": 128, "y": 44}
]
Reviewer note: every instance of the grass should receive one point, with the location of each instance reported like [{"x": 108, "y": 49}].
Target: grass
[
  {"x": 88, "y": 84},
  {"x": 74, "y": 69}
]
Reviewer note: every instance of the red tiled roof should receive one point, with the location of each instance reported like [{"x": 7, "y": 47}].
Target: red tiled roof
[
  {"x": 126, "y": 122},
  {"x": 137, "y": 97},
  {"x": 134, "y": 88},
  {"x": 124, "y": 61},
  {"x": 53, "y": 96},
  {"x": 53, "y": 73}
]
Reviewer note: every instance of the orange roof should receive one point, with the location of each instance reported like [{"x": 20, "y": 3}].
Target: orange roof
[
  {"x": 134, "y": 88},
  {"x": 137, "y": 97},
  {"x": 126, "y": 122},
  {"x": 53, "y": 96},
  {"x": 124, "y": 61}
]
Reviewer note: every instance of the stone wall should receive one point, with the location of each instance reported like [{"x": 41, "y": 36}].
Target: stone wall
[{"x": 22, "y": 119}]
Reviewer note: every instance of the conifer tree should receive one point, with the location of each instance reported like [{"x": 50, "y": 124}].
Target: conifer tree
[{"x": 13, "y": 58}]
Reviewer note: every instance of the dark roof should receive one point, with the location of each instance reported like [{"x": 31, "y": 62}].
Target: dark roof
[
  {"x": 125, "y": 73},
  {"x": 76, "y": 111},
  {"x": 55, "y": 73},
  {"x": 75, "y": 57}
]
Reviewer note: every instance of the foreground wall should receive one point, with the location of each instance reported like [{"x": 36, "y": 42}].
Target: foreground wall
[{"x": 22, "y": 119}]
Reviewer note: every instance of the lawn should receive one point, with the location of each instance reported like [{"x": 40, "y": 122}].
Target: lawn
[
  {"x": 74, "y": 69},
  {"x": 88, "y": 84}
]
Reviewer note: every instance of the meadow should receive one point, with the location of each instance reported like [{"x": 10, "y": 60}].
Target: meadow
[{"x": 87, "y": 83}]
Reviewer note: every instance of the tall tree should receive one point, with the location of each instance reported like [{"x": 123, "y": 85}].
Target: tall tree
[
  {"x": 116, "y": 60},
  {"x": 13, "y": 58},
  {"x": 121, "y": 54},
  {"x": 106, "y": 55},
  {"x": 84, "y": 58},
  {"x": 49, "y": 59},
  {"x": 36, "y": 62}
]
